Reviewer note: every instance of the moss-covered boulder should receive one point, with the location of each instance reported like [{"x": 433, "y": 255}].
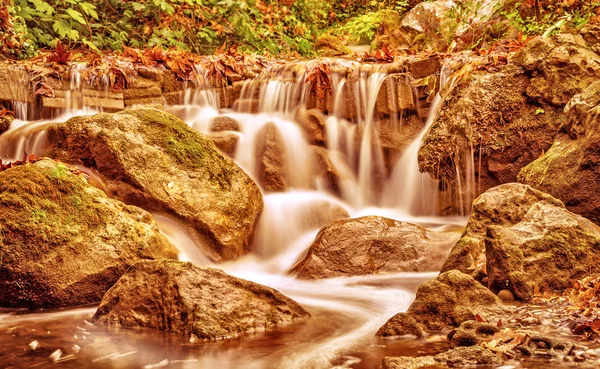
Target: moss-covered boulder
[
  {"x": 152, "y": 159},
  {"x": 193, "y": 302},
  {"x": 373, "y": 245},
  {"x": 570, "y": 169},
  {"x": 5, "y": 123},
  {"x": 504, "y": 205},
  {"x": 64, "y": 242},
  {"x": 546, "y": 251},
  {"x": 447, "y": 301}
]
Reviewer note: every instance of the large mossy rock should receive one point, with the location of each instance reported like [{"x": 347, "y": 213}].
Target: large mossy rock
[
  {"x": 504, "y": 205},
  {"x": 570, "y": 169},
  {"x": 191, "y": 301},
  {"x": 152, "y": 159},
  {"x": 5, "y": 123},
  {"x": 64, "y": 242},
  {"x": 546, "y": 251},
  {"x": 494, "y": 123},
  {"x": 458, "y": 357},
  {"x": 373, "y": 245},
  {"x": 447, "y": 301}
]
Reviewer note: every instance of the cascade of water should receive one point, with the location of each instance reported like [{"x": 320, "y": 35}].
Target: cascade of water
[{"x": 408, "y": 188}]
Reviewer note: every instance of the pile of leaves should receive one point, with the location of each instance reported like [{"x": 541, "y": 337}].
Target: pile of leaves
[{"x": 27, "y": 159}]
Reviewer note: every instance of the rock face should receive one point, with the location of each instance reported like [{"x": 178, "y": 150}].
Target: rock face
[
  {"x": 504, "y": 205},
  {"x": 546, "y": 251},
  {"x": 570, "y": 170},
  {"x": 63, "y": 242},
  {"x": 495, "y": 123},
  {"x": 458, "y": 357},
  {"x": 152, "y": 159},
  {"x": 271, "y": 158},
  {"x": 447, "y": 301},
  {"x": 487, "y": 131},
  {"x": 373, "y": 245},
  {"x": 190, "y": 301}
]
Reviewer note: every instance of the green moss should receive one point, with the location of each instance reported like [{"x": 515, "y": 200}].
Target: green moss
[{"x": 39, "y": 212}]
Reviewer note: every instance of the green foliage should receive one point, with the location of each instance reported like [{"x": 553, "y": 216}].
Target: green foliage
[
  {"x": 60, "y": 172},
  {"x": 363, "y": 28}
]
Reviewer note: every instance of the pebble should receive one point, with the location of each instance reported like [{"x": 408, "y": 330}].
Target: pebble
[{"x": 506, "y": 296}]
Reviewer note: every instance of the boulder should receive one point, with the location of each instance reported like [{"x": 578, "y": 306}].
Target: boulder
[
  {"x": 471, "y": 333},
  {"x": 570, "y": 169},
  {"x": 63, "y": 242},
  {"x": 326, "y": 171},
  {"x": 193, "y": 302},
  {"x": 458, "y": 357},
  {"x": 485, "y": 133},
  {"x": 313, "y": 124},
  {"x": 447, "y": 301},
  {"x": 546, "y": 251},
  {"x": 152, "y": 159},
  {"x": 504, "y": 205},
  {"x": 372, "y": 245},
  {"x": 271, "y": 158},
  {"x": 328, "y": 45},
  {"x": 223, "y": 123}
]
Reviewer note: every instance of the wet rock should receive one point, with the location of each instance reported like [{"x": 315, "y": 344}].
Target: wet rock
[
  {"x": 486, "y": 132},
  {"x": 471, "y": 333},
  {"x": 397, "y": 94},
  {"x": 152, "y": 159},
  {"x": 538, "y": 345},
  {"x": 191, "y": 301},
  {"x": 545, "y": 251},
  {"x": 421, "y": 68},
  {"x": 591, "y": 35},
  {"x": 325, "y": 169},
  {"x": 395, "y": 136},
  {"x": 504, "y": 205},
  {"x": 458, "y": 357},
  {"x": 63, "y": 242},
  {"x": 247, "y": 106},
  {"x": 570, "y": 169},
  {"x": 447, "y": 301},
  {"x": 271, "y": 157},
  {"x": 223, "y": 123},
  {"x": 313, "y": 124},
  {"x": 372, "y": 245},
  {"x": 5, "y": 122},
  {"x": 225, "y": 141}
]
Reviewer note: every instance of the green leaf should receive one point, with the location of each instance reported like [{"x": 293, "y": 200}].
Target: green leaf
[
  {"x": 90, "y": 44},
  {"x": 77, "y": 16},
  {"x": 89, "y": 9},
  {"x": 61, "y": 27}
]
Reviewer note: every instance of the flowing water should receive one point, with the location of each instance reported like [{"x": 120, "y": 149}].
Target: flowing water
[{"x": 346, "y": 312}]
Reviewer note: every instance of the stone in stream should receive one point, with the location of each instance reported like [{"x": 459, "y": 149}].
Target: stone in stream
[
  {"x": 447, "y": 301},
  {"x": 373, "y": 245},
  {"x": 63, "y": 242},
  {"x": 546, "y": 251},
  {"x": 504, "y": 205},
  {"x": 225, "y": 141},
  {"x": 570, "y": 169},
  {"x": 193, "y": 302},
  {"x": 271, "y": 157},
  {"x": 152, "y": 159},
  {"x": 471, "y": 333},
  {"x": 458, "y": 357},
  {"x": 5, "y": 122}
]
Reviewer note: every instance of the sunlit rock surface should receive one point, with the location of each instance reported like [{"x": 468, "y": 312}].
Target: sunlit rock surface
[
  {"x": 458, "y": 357},
  {"x": 194, "y": 302},
  {"x": 569, "y": 170},
  {"x": 62, "y": 241},
  {"x": 504, "y": 205},
  {"x": 154, "y": 160},
  {"x": 447, "y": 301},
  {"x": 373, "y": 245}
]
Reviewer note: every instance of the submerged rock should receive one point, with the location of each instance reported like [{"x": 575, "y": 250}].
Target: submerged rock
[
  {"x": 570, "y": 169},
  {"x": 504, "y": 205},
  {"x": 544, "y": 252},
  {"x": 63, "y": 242},
  {"x": 152, "y": 159},
  {"x": 373, "y": 245},
  {"x": 458, "y": 357},
  {"x": 471, "y": 333},
  {"x": 191, "y": 301},
  {"x": 447, "y": 301}
]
